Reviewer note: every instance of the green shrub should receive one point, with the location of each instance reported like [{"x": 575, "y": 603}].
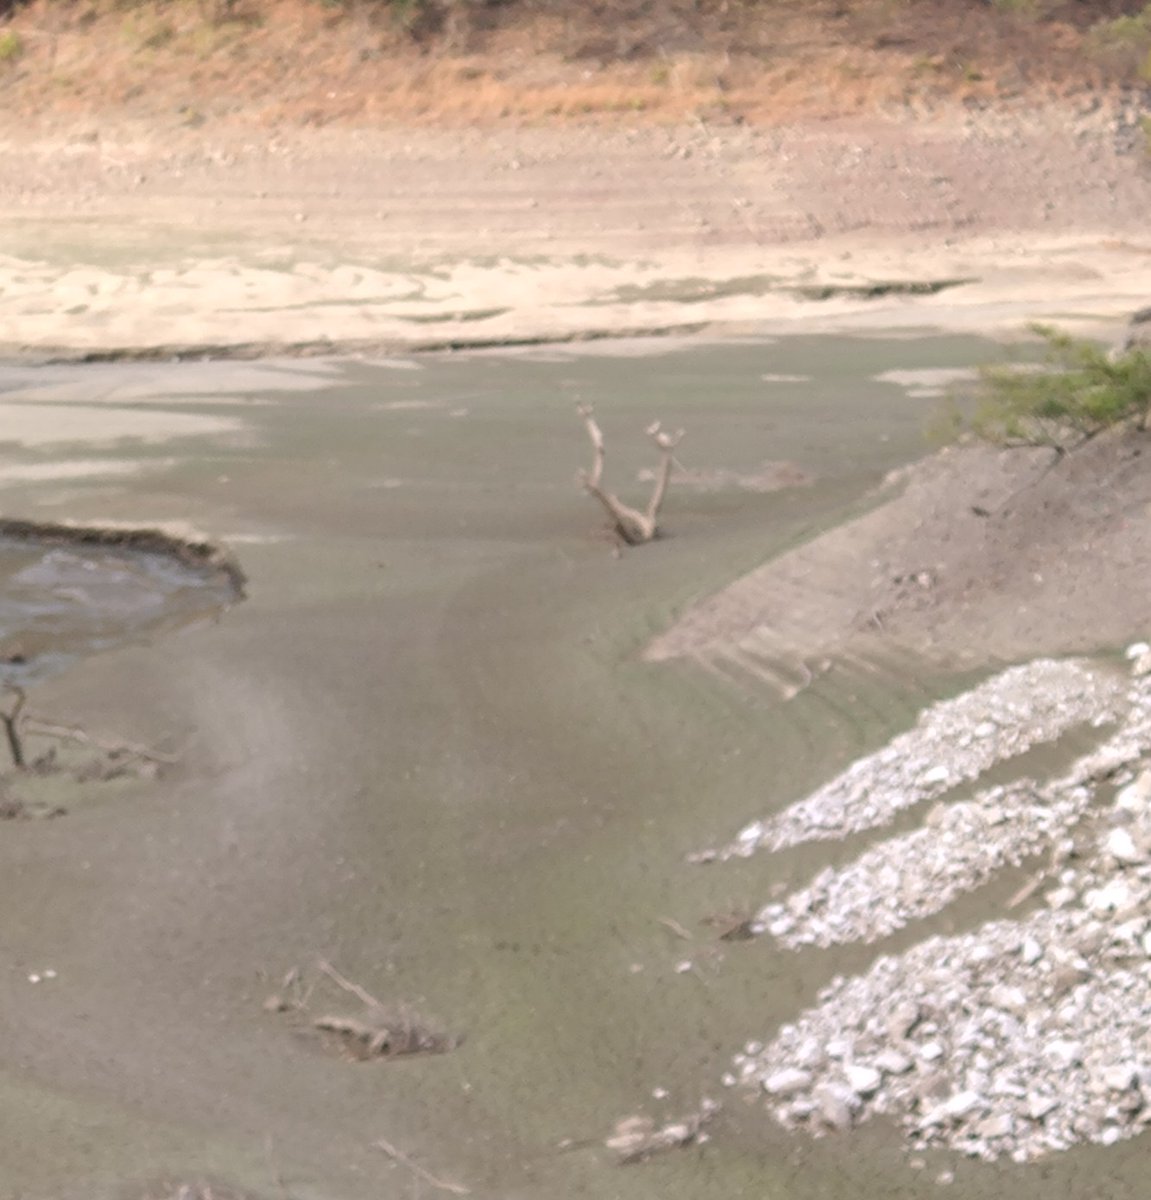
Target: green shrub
[
  {"x": 11, "y": 47},
  {"x": 1126, "y": 42},
  {"x": 1076, "y": 392}
]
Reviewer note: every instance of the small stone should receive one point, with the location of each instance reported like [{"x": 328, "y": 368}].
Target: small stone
[
  {"x": 835, "y": 1104},
  {"x": 1000, "y": 1125},
  {"x": 891, "y": 1062},
  {"x": 945, "y": 1177},
  {"x": 809, "y": 1054},
  {"x": 1135, "y": 796},
  {"x": 1060, "y": 897},
  {"x": 1136, "y": 650},
  {"x": 1123, "y": 848},
  {"x": 903, "y": 1020},
  {"x": 1031, "y": 951},
  {"x": 1039, "y": 1106},
  {"x": 1012, "y": 999},
  {"x": 787, "y": 1082},
  {"x": 1063, "y": 1053},
  {"x": 861, "y": 1079},
  {"x": 1110, "y": 1135},
  {"x": 753, "y": 1048},
  {"x": 1113, "y": 895},
  {"x": 985, "y": 729},
  {"x": 1141, "y": 666},
  {"x": 682, "y": 967},
  {"x": 1120, "y": 1078},
  {"x": 931, "y": 1051},
  {"x": 939, "y": 774},
  {"x": 962, "y": 1103}
]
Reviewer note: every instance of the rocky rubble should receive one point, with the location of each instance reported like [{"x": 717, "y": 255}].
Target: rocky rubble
[
  {"x": 953, "y": 742},
  {"x": 909, "y": 877},
  {"x": 1019, "y": 1038}
]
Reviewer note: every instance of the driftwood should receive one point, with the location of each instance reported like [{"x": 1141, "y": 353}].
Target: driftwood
[
  {"x": 378, "y": 1031},
  {"x": 631, "y": 525},
  {"x": 396, "y": 1155},
  {"x": 635, "y": 1139},
  {"x": 12, "y": 727}
]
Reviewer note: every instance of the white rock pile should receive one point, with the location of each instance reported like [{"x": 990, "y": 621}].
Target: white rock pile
[
  {"x": 1021, "y": 1037},
  {"x": 953, "y": 742}
]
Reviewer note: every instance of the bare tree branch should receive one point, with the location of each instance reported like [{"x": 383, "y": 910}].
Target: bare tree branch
[
  {"x": 630, "y": 524},
  {"x": 11, "y": 721},
  {"x": 667, "y": 443},
  {"x": 397, "y": 1155}
]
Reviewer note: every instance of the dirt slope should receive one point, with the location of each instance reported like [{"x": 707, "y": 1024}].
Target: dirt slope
[{"x": 984, "y": 554}]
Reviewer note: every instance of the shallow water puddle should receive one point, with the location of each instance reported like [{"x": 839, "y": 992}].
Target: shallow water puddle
[{"x": 61, "y": 602}]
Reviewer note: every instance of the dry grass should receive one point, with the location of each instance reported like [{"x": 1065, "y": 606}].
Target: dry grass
[{"x": 303, "y": 61}]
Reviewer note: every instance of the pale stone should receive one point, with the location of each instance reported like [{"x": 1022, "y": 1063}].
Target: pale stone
[
  {"x": 861, "y": 1079},
  {"x": 787, "y": 1082}
]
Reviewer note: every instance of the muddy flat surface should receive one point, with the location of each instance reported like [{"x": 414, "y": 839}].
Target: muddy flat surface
[{"x": 428, "y": 750}]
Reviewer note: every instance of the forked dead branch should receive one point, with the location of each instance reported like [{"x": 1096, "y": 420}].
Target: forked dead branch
[{"x": 631, "y": 525}]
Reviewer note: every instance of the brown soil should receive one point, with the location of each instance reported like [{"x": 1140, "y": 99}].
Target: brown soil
[
  {"x": 983, "y": 555},
  {"x": 314, "y": 63}
]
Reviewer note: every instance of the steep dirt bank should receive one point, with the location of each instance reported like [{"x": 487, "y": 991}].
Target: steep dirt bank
[{"x": 983, "y": 555}]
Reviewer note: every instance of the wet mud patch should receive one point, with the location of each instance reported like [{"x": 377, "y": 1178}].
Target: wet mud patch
[{"x": 67, "y": 593}]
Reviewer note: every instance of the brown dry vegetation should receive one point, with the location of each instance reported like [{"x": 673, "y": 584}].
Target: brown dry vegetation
[{"x": 457, "y": 61}]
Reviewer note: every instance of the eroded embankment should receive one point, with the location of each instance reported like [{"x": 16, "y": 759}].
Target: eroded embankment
[
  {"x": 71, "y": 590},
  {"x": 978, "y": 555}
]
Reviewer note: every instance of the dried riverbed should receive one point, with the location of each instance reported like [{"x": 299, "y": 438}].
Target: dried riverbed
[{"x": 428, "y": 751}]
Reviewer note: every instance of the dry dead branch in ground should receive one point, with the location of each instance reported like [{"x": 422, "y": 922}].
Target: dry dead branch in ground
[
  {"x": 13, "y": 722},
  {"x": 635, "y": 1139},
  {"x": 377, "y": 1031},
  {"x": 631, "y": 525},
  {"x": 396, "y": 1155}
]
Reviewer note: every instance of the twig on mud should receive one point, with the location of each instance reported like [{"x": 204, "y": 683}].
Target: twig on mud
[
  {"x": 397, "y": 1155},
  {"x": 673, "y": 926},
  {"x": 636, "y": 1139},
  {"x": 75, "y": 734},
  {"x": 365, "y": 997},
  {"x": 1028, "y": 889},
  {"x": 11, "y": 720}
]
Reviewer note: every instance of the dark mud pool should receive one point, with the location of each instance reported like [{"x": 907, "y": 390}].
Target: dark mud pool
[{"x": 427, "y": 751}]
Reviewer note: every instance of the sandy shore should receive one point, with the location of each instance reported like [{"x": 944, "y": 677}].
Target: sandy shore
[{"x": 238, "y": 241}]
